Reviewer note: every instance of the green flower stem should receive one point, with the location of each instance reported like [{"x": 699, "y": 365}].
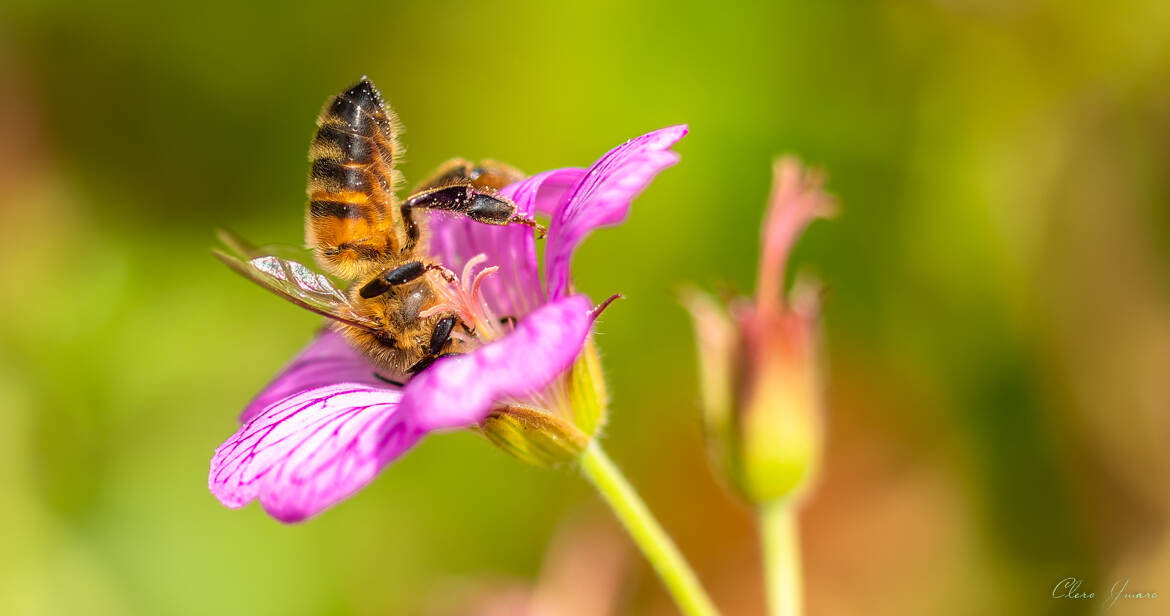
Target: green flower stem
[
  {"x": 651, "y": 539},
  {"x": 780, "y": 539}
]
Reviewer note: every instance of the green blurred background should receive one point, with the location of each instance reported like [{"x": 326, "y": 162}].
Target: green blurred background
[{"x": 998, "y": 322}]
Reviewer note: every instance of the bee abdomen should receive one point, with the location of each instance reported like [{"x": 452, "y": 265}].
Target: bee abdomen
[
  {"x": 337, "y": 142},
  {"x": 325, "y": 208},
  {"x": 352, "y": 180},
  {"x": 356, "y": 146}
]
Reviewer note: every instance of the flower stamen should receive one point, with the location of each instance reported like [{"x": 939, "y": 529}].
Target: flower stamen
[
  {"x": 463, "y": 296},
  {"x": 471, "y": 263},
  {"x": 487, "y": 271}
]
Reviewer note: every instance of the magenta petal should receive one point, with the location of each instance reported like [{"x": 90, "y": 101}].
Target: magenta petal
[
  {"x": 545, "y": 191},
  {"x": 311, "y": 450},
  {"x": 327, "y": 360},
  {"x": 460, "y": 391},
  {"x": 602, "y": 197}
]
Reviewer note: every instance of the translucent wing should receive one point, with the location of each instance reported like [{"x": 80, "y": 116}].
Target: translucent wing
[
  {"x": 246, "y": 251},
  {"x": 293, "y": 281}
]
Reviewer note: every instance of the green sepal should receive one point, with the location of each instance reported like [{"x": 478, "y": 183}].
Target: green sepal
[
  {"x": 588, "y": 397},
  {"x": 534, "y": 435}
]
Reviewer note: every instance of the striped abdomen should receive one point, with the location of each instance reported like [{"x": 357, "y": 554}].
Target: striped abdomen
[{"x": 353, "y": 221}]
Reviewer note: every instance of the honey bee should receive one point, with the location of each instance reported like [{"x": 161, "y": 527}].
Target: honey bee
[{"x": 372, "y": 242}]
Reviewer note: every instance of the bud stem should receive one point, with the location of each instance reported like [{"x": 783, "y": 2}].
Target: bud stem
[
  {"x": 780, "y": 543},
  {"x": 658, "y": 548}
]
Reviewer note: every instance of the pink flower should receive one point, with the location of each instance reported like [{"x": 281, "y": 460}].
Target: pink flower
[{"x": 326, "y": 426}]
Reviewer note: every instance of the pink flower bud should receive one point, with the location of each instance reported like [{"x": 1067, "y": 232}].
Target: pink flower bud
[{"x": 759, "y": 359}]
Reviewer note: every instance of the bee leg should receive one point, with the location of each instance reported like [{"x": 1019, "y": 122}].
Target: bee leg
[
  {"x": 390, "y": 381},
  {"x": 487, "y": 174},
  {"x": 439, "y": 337},
  {"x": 441, "y": 334},
  {"x": 400, "y": 275},
  {"x": 425, "y": 362},
  {"x": 479, "y": 204}
]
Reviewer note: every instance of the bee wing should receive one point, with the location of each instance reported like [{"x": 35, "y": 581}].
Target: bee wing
[
  {"x": 298, "y": 284},
  {"x": 246, "y": 251}
]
